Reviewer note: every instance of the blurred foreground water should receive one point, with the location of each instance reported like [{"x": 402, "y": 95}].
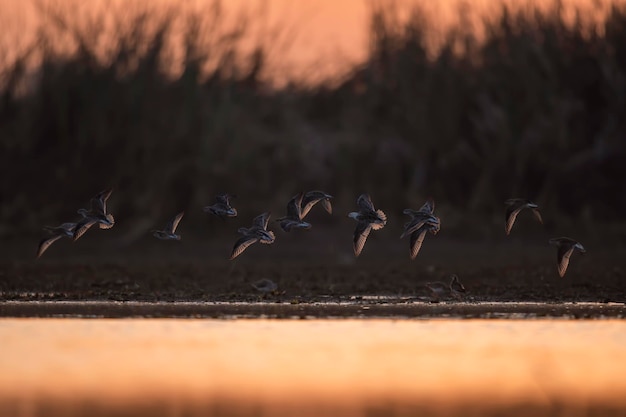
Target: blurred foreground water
[{"x": 348, "y": 367}]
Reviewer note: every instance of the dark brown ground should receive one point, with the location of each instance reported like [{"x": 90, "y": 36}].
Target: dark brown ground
[{"x": 313, "y": 266}]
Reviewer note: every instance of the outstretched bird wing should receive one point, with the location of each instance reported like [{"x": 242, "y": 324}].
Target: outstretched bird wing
[
  {"x": 562, "y": 258},
  {"x": 413, "y": 225},
  {"x": 510, "y": 216},
  {"x": 293, "y": 207},
  {"x": 241, "y": 245},
  {"x": 327, "y": 205},
  {"x": 361, "y": 233},
  {"x": 45, "y": 244},
  {"x": 99, "y": 202},
  {"x": 311, "y": 198},
  {"x": 364, "y": 202},
  {"x": 262, "y": 220},
  {"x": 417, "y": 238},
  {"x": 428, "y": 207},
  {"x": 173, "y": 224}
]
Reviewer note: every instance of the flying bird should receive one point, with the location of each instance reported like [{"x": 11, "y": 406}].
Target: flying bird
[
  {"x": 169, "y": 232},
  {"x": 221, "y": 207},
  {"x": 256, "y": 233},
  {"x": 56, "y": 233},
  {"x": 565, "y": 249},
  {"x": 368, "y": 219},
  {"x": 293, "y": 219},
  {"x": 513, "y": 208},
  {"x": 97, "y": 214}
]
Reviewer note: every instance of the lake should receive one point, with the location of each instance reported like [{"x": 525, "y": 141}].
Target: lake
[{"x": 347, "y": 367}]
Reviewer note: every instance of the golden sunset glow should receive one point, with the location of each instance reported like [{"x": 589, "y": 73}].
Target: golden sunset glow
[
  {"x": 308, "y": 40},
  {"x": 281, "y": 366}
]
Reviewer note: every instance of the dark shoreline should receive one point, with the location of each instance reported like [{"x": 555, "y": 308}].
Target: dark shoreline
[{"x": 404, "y": 310}]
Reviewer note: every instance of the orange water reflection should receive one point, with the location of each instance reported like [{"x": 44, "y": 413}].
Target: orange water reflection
[
  {"x": 308, "y": 39},
  {"x": 342, "y": 367}
]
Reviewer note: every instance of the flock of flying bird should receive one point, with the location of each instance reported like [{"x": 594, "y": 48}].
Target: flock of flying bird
[{"x": 421, "y": 222}]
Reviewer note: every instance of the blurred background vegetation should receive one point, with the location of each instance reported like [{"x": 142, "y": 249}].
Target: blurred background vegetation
[{"x": 536, "y": 109}]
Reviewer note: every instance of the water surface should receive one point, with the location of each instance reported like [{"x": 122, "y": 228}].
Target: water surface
[{"x": 312, "y": 367}]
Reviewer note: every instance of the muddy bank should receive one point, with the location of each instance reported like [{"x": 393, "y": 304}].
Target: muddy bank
[
  {"x": 360, "y": 307},
  {"x": 307, "y": 270}
]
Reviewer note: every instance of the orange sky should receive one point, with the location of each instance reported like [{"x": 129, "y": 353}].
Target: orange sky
[{"x": 319, "y": 37}]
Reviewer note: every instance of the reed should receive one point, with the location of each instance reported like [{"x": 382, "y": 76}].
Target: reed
[{"x": 536, "y": 108}]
